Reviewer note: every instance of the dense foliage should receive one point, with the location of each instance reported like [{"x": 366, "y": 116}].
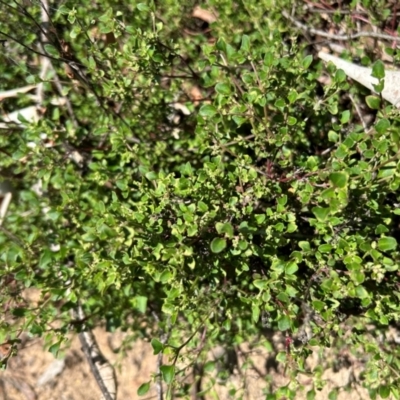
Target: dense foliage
[{"x": 260, "y": 204}]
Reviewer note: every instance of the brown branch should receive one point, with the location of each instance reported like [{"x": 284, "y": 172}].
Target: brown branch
[
  {"x": 44, "y": 61},
  {"x": 101, "y": 369},
  {"x": 60, "y": 59},
  {"x": 359, "y": 113},
  {"x": 339, "y": 37}
]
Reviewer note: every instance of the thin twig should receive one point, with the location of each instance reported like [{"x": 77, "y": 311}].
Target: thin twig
[
  {"x": 46, "y": 19},
  {"x": 343, "y": 12},
  {"x": 4, "y": 206},
  {"x": 313, "y": 31},
  {"x": 70, "y": 110},
  {"x": 359, "y": 113},
  {"x": 44, "y": 61},
  {"x": 252, "y": 136},
  {"x": 159, "y": 383},
  {"x": 101, "y": 369},
  {"x": 61, "y": 59}
]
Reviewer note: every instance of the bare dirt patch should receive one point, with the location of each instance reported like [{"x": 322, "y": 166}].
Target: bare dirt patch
[{"x": 34, "y": 374}]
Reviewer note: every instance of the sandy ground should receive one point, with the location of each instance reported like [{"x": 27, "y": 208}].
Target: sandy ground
[{"x": 26, "y": 379}]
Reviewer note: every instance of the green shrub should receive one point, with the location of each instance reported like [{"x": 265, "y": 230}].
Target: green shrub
[{"x": 269, "y": 205}]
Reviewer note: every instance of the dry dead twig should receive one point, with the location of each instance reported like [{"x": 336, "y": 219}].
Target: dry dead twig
[
  {"x": 101, "y": 369},
  {"x": 314, "y": 31},
  {"x": 204, "y": 15}
]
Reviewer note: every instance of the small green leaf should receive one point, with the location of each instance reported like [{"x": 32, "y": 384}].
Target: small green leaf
[
  {"x": 328, "y": 193},
  {"x": 187, "y": 169},
  {"x": 207, "y": 111},
  {"x": 50, "y": 49},
  {"x": 387, "y": 243},
  {"x": 107, "y": 16},
  {"x": 223, "y": 88},
  {"x": 387, "y": 171},
  {"x": 318, "y": 305},
  {"x": 312, "y": 162},
  {"x": 19, "y": 311},
  {"x": 218, "y": 245},
  {"x": 291, "y": 268},
  {"x": 221, "y": 45},
  {"x": 143, "y": 389},
  {"x": 224, "y": 228},
  {"x": 281, "y": 357},
  {"x": 260, "y": 284},
  {"x": 333, "y": 108},
  {"x": 379, "y": 86},
  {"x": 384, "y": 391},
  {"x": 245, "y": 43},
  {"x": 284, "y": 323},
  {"x": 282, "y": 200},
  {"x": 340, "y": 75},
  {"x": 230, "y": 51},
  {"x": 280, "y": 103},
  {"x": 72, "y": 16},
  {"x": 227, "y": 324},
  {"x": 361, "y": 292},
  {"x": 378, "y": 70},
  {"x": 255, "y": 311},
  {"x": 304, "y": 245},
  {"x": 143, "y": 7},
  {"x": 292, "y": 96},
  {"x": 168, "y": 373},
  {"x": 333, "y": 136},
  {"x": 141, "y": 303},
  {"x": 239, "y": 120},
  {"x": 339, "y": 179},
  {"x": 373, "y": 102},
  {"x": 266, "y": 297},
  {"x": 209, "y": 366},
  {"x": 342, "y": 151},
  {"x": 243, "y": 244},
  {"x": 55, "y": 348},
  {"x": 165, "y": 277},
  {"x": 63, "y": 10},
  {"x": 325, "y": 248},
  {"x": 122, "y": 184},
  {"x": 311, "y": 394},
  {"x": 260, "y": 218},
  {"x": 157, "y": 346},
  {"x": 192, "y": 230},
  {"x": 151, "y": 175},
  {"x": 269, "y": 59},
  {"x": 333, "y": 394},
  {"x": 320, "y": 213},
  {"x": 282, "y": 296},
  {"x": 382, "y": 125},
  {"x": 307, "y": 61},
  {"x": 357, "y": 276},
  {"x": 381, "y": 229},
  {"x": 345, "y": 117},
  {"x": 45, "y": 258},
  {"x": 76, "y": 30},
  {"x": 202, "y": 206}
]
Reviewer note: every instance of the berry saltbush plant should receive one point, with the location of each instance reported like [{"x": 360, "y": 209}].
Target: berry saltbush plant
[{"x": 260, "y": 205}]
